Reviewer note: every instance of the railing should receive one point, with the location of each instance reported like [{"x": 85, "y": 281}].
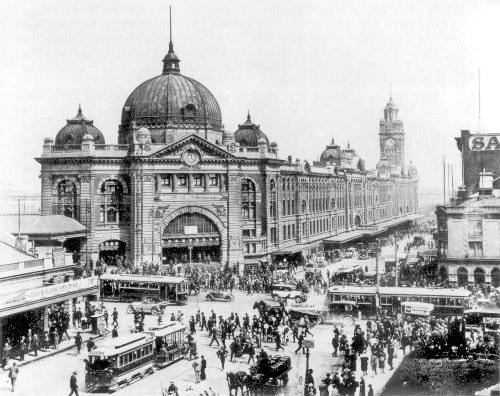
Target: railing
[
  {"x": 111, "y": 147},
  {"x": 66, "y": 147}
]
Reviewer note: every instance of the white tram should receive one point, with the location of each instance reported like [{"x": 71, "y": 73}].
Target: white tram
[{"x": 128, "y": 358}]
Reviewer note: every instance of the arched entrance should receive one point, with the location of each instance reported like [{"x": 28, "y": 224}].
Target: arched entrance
[
  {"x": 462, "y": 276},
  {"x": 443, "y": 274},
  {"x": 357, "y": 221},
  {"x": 479, "y": 276},
  {"x": 111, "y": 250},
  {"x": 495, "y": 277},
  {"x": 191, "y": 238}
]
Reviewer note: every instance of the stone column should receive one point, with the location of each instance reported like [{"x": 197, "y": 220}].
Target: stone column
[
  {"x": 206, "y": 181},
  {"x": 174, "y": 182},
  {"x": 190, "y": 182}
]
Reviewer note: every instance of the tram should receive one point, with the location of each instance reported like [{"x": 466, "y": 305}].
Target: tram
[
  {"x": 445, "y": 301},
  {"x": 131, "y": 287},
  {"x": 129, "y": 358}
]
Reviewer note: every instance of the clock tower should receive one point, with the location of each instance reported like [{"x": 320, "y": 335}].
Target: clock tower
[{"x": 392, "y": 137}]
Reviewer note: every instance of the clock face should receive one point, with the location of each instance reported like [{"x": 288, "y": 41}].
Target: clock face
[
  {"x": 389, "y": 143},
  {"x": 191, "y": 157}
]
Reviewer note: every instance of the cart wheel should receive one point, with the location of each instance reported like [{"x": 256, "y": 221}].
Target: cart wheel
[{"x": 228, "y": 298}]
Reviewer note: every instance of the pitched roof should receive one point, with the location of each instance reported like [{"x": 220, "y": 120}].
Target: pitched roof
[{"x": 38, "y": 225}]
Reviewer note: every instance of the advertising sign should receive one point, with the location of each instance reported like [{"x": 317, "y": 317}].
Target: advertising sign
[
  {"x": 484, "y": 142},
  {"x": 190, "y": 230},
  {"x": 308, "y": 344},
  {"x": 61, "y": 288}
]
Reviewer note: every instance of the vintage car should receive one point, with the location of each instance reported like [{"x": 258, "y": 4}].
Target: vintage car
[
  {"x": 219, "y": 295},
  {"x": 148, "y": 306},
  {"x": 297, "y": 313},
  {"x": 285, "y": 291}
]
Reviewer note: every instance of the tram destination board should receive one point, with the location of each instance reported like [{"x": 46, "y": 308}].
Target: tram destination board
[{"x": 308, "y": 344}]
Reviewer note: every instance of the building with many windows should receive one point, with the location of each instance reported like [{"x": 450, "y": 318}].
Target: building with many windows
[
  {"x": 178, "y": 187},
  {"x": 469, "y": 224}
]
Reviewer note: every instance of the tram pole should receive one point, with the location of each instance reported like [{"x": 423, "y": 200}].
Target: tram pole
[
  {"x": 377, "y": 279},
  {"x": 396, "y": 260}
]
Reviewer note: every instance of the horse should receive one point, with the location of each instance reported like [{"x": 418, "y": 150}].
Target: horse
[
  {"x": 236, "y": 381},
  {"x": 255, "y": 383}
]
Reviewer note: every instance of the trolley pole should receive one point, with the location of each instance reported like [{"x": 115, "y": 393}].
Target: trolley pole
[
  {"x": 377, "y": 279},
  {"x": 396, "y": 260}
]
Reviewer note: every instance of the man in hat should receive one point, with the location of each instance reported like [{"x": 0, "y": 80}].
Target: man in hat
[
  {"x": 172, "y": 389},
  {"x": 73, "y": 385}
]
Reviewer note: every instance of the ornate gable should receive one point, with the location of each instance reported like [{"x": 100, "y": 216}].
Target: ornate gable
[{"x": 191, "y": 150}]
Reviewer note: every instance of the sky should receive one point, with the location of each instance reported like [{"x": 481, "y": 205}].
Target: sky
[{"x": 308, "y": 71}]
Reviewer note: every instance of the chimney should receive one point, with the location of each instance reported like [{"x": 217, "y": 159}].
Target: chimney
[
  {"x": 485, "y": 182},
  {"x": 290, "y": 160}
]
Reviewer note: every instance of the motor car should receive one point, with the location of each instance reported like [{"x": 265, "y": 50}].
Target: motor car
[
  {"x": 219, "y": 295},
  {"x": 285, "y": 291},
  {"x": 147, "y": 305}
]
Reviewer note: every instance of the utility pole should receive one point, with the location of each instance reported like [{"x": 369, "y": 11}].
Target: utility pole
[
  {"x": 396, "y": 259},
  {"x": 307, "y": 371},
  {"x": 377, "y": 297}
]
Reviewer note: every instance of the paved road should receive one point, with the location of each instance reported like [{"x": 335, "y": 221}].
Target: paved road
[{"x": 50, "y": 376}]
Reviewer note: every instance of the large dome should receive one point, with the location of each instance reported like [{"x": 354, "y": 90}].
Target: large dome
[
  {"x": 76, "y": 128},
  {"x": 171, "y": 101},
  {"x": 332, "y": 153}
]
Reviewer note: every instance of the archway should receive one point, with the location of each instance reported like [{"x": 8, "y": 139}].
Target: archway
[
  {"x": 191, "y": 237},
  {"x": 443, "y": 274},
  {"x": 462, "y": 276},
  {"x": 357, "y": 221},
  {"x": 495, "y": 277},
  {"x": 479, "y": 276},
  {"x": 111, "y": 251}
]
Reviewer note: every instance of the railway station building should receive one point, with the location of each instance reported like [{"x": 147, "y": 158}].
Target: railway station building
[{"x": 178, "y": 186}]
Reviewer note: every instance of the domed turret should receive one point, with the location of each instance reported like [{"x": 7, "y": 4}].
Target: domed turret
[
  {"x": 331, "y": 153},
  {"x": 249, "y": 134},
  {"x": 143, "y": 135},
  {"x": 76, "y": 128}
]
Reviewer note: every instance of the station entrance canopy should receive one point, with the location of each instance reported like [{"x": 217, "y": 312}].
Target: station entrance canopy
[{"x": 31, "y": 299}]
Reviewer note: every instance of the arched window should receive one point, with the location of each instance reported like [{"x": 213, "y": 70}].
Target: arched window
[
  {"x": 188, "y": 112},
  {"x": 462, "y": 276},
  {"x": 114, "y": 203},
  {"x": 67, "y": 199},
  {"x": 479, "y": 276},
  {"x": 272, "y": 201},
  {"x": 304, "y": 206},
  {"x": 248, "y": 199},
  {"x": 495, "y": 277},
  {"x": 283, "y": 184},
  {"x": 287, "y": 184}
]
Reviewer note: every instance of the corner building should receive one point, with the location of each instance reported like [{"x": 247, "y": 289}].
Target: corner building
[{"x": 177, "y": 186}]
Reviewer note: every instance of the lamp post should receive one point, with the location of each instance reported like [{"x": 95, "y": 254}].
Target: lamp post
[{"x": 307, "y": 344}]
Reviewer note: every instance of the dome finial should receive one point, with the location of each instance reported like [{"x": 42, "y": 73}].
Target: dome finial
[
  {"x": 171, "y": 61},
  {"x": 248, "y": 117},
  {"x": 79, "y": 109}
]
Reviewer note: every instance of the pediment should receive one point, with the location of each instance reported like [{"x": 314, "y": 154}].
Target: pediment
[{"x": 192, "y": 149}]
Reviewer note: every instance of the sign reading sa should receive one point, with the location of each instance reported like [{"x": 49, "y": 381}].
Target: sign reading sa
[{"x": 484, "y": 142}]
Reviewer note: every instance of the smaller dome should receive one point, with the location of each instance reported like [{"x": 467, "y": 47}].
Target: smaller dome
[
  {"x": 249, "y": 134},
  {"x": 391, "y": 104},
  {"x": 76, "y": 128},
  {"x": 143, "y": 135},
  {"x": 273, "y": 145},
  {"x": 262, "y": 140},
  {"x": 384, "y": 164},
  {"x": 48, "y": 140},
  {"x": 87, "y": 138},
  {"x": 332, "y": 153}
]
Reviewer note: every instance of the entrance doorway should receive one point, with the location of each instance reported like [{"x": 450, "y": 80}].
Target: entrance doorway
[
  {"x": 191, "y": 238},
  {"x": 479, "y": 276},
  {"x": 111, "y": 250},
  {"x": 462, "y": 277}
]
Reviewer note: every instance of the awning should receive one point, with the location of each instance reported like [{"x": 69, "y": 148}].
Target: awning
[
  {"x": 346, "y": 236},
  {"x": 38, "y": 226},
  {"x": 28, "y": 300}
]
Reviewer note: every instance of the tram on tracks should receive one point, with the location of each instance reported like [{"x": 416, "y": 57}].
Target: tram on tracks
[
  {"x": 132, "y": 287},
  {"x": 129, "y": 358},
  {"x": 445, "y": 301}
]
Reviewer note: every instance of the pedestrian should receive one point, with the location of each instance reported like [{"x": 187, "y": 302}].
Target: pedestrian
[
  {"x": 13, "y": 374},
  {"x": 362, "y": 387},
  {"x": 203, "y": 322},
  {"x": 90, "y": 344},
  {"x": 364, "y": 363},
  {"x": 115, "y": 316},
  {"x": 114, "y": 332},
  {"x": 335, "y": 344},
  {"x": 222, "y": 353},
  {"x": 78, "y": 342},
  {"x": 370, "y": 390},
  {"x": 214, "y": 336},
  {"x": 300, "y": 340},
  {"x": 381, "y": 361},
  {"x": 278, "y": 341},
  {"x": 251, "y": 353},
  {"x": 73, "y": 385},
  {"x": 196, "y": 368},
  {"x": 35, "y": 344},
  {"x": 373, "y": 363},
  {"x": 106, "y": 317},
  {"x": 22, "y": 348},
  {"x": 390, "y": 356},
  {"x": 203, "y": 367}
]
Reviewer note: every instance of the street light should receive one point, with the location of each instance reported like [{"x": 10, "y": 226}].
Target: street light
[{"x": 307, "y": 344}]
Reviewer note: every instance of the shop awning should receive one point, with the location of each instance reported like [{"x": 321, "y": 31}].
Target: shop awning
[
  {"x": 28, "y": 300},
  {"x": 346, "y": 236}
]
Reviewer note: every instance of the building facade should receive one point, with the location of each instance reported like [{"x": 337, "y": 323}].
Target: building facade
[
  {"x": 469, "y": 224},
  {"x": 178, "y": 187}
]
